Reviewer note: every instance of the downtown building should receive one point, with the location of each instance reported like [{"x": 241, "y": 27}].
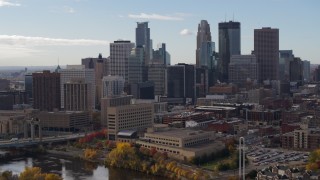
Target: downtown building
[
  {"x": 243, "y": 68},
  {"x": 143, "y": 40},
  {"x": 112, "y": 86},
  {"x": 119, "y": 58},
  {"x": 181, "y": 82},
  {"x": 229, "y": 45},
  {"x": 74, "y": 72},
  {"x": 100, "y": 69},
  {"x": 135, "y": 117},
  {"x": 266, "y": 49},
  {"x": 76, "y": 93},
  {"x": 46, "y": 90},
  {"x": 157, "y": 73}
]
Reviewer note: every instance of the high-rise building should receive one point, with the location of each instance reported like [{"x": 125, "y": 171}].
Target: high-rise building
[
  {"x": 157, "y": 74},
  {"x": 181, "y": 81},
  {"x": 201, "y": 81},
  {"x": 203, "y": 40},
  {"x": 243, "y": 68},
  {"x": 143, "y": 39},
  {"x": 306, "y": 71},
  {"x": 285, "y": 57},
  {"x": 129, "y": 117},
  {"x": 160, "y": 55},
  {"x": 266, "y": 49},
  {"x": 229, "y": 44},
  {"x": 4, "y": 84},
  {"x": 98, "y": 64},
  {"x": 28, "y": 85},
  {"x": 119, "y": 58},
  {"x": 142, "y": 90},
  {"x": 112, "y": 86},
  {"x": 296, "y": 71},
  {"x": 76, "y": 93},
  {"x": 136, "y": 68},
  {"x": 79, "y": 71},
  {"x": 46, "y": 90}
]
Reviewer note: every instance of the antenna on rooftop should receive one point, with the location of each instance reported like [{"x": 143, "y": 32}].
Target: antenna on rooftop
[{"x": 233, "y": 17}]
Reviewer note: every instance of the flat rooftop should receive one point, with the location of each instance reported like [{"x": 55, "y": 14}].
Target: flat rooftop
[
  {"x": 179, "y": 133},
  {"x": 215, "y": 108}
]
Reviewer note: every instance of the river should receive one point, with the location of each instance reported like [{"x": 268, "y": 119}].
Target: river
[{"x": 73, "y": 169}]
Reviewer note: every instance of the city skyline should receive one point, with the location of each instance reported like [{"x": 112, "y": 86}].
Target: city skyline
[{"x": 47, "y": 33}]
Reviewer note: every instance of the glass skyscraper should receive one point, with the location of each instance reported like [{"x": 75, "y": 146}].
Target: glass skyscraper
[
  {"x": 143, "y": 39},
  {"x": 229, "y": 44}
]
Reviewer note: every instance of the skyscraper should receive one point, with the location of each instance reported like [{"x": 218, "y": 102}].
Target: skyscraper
[
  {"x": 181, "y": 81},
  {"x": 243, "y": 68},
  {"x": 229, "y": 44},
  {"x": 143, "y": 39},
  {"x": 46, "y": 90},
  {"x": 306, "y": 70},
  {"x": 157, "y": 74},
  {"x": 296, "y": 71},
  {"x": 285, "y": 57},
  {"x": 76, "y": 93},
  {"x": 266, "y": 49},
  {"x": 112, "y": 86},
  {"x": 136, "y": 67},
  {"x": 79, "y": 71},
  {"x": 119, "y": 58},
  {"x": 203, "y": 39}
]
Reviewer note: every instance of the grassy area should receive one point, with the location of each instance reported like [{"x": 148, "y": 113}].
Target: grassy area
[{"x": 222, "y": 164}]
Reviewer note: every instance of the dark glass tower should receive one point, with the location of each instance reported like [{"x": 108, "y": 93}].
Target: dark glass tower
[
  {"x": 266, "y": 49},
  {"x": 143, "y": 39},
  {"x": 229, "y": 44}
]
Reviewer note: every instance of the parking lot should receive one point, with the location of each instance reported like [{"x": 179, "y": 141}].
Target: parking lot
[{"x": 266, "y": 157}]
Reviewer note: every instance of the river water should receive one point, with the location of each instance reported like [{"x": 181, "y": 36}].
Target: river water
[{"x": 73, "y": 169}]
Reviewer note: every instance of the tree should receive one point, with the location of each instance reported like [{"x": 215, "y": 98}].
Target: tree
[
  {"x": 52, "y": 177},
  {"x": 124, "y": 156},
  {"x": 90, "y": 154},
  {"x": 32, "y": 173}
]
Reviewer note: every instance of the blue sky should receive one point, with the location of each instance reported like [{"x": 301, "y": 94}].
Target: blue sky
[{"x": 39, "y": 32}]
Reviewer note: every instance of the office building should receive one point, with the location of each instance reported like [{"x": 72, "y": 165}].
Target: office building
[
  {"x": 266, "y": 49},
  {"x": 142, "y": 90},
  {"x": 68, "y": 121},
  {"x": 143, "y": 40},
  {"x": 4, "y": 84},
  {"x": 137, "y": 71},
  {"x": 229, "y": 44},
  {"x": 79, "y": 71},
  {"x": 112, "y": 86},
  {"x": 129, "y": 117},
  {"x": 285, "y": 57},
  {"x": 296, "y": 71},
  {"x": 180, "y": 143},
  {"x": 161, "y": 55},
  {"x": 46, "y": 90},
  {"x": 119, "y": 58},
  {"x": 76, "y": 93},
  {"x": 157, "y": 75},
  {"x": 204, "y": 44},
  {"x": 306, "y": 71},
  {"x": 10, "y": 98},
  {"x": 98, "y": 64},
  {"x": 112, "y": 101},
  {"x": 181, "y": 81},
  {"x": 202, "y": 85},
  {"x": 28, "y": 86},
  {"x": 243, "y": 68}
]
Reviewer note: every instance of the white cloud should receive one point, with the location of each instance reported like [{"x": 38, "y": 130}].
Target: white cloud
[
  {"x": 186, "y": 32},
  {"x": 7, "y": 3},
  {"x": 69, "y": 9},
  {"x": 155, "y": 17},
  {"x": 44, "y": 41}
]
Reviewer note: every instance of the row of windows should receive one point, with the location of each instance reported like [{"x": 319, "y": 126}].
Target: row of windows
[
  {"x": 162, "y": 149},
  {"x": 163, "y": 139}
]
